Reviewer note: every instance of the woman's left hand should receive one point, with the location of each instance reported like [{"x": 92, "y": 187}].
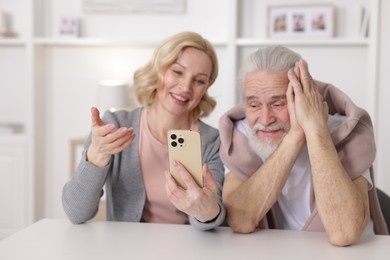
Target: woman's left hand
[{"x": 200, "y": 203}]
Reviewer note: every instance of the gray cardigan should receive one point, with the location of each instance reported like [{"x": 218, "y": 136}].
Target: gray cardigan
[{"x": 122, "y": 177}]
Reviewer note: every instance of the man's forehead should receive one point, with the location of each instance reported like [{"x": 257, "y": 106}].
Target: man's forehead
[
  {"x": 277, "y": 91},
  {"x": 264, "y": 79}
]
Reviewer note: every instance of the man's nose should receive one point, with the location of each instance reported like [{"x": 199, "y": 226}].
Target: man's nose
[{"x": 266, "y": 116}]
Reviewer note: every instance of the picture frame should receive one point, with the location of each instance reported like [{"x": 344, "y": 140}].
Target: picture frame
[
  {"x": 69, "y": 26},
  {"x": 76, "y": 153},
  {"x": 297, "y": 21}
]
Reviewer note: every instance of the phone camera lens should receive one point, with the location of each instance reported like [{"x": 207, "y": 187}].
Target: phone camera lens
[
  {"x": 173, "y": 136},
  {"x": 174, "y": 144},
  {"x": 180, "y": 140}
]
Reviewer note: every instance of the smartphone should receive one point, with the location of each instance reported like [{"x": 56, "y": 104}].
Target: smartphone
[{"x": 185, "y": 147}]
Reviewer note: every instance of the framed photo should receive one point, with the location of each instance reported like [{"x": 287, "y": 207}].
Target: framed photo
[
  {"x": 291, "y": 21},
  {"x": 69, "y": 26}
]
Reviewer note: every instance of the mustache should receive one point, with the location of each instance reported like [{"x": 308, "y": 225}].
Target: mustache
[{"x": 274, "y": 127}]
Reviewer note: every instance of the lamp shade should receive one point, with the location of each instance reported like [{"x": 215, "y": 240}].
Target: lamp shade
[{"x": 112, "y": 95}]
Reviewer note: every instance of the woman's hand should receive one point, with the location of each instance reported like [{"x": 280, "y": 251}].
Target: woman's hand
[
  {"x": 200, "y": 203},
  {"x": 107, "y": 140}
]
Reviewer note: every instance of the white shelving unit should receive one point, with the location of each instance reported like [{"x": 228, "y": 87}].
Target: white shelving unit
[
  {"x": 16, "y": 108},
  {"x": 252, "y": 42},
  {"x": 56, "y": 77}
]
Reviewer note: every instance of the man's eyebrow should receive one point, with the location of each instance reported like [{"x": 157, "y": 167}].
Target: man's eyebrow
[
  {"x": 249, "y": 98},
  {"x": 283, "y": 96},
  {"x": 279, "y": 97}
]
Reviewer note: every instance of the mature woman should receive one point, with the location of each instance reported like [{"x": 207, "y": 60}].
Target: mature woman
[{"x": 127, "y": 150}]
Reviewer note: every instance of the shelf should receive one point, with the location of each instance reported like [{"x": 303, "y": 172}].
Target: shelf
[
  {"x": 13, "y": 138},
  {"x": 217, "y": 43},
  {"x": 12, "y": 42},
  {"x": 251, "y": 42},
  {"x": 93, "y": 42},
  {"x": 105, "y": 42}
]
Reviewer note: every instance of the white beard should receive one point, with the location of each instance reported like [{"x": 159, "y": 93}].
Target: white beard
[{"x": 264, "y": 150}]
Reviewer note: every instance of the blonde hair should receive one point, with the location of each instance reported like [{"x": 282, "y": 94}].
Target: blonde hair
[{"x": 151, "y": 76}]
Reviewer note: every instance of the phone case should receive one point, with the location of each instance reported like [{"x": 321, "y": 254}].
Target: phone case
[{"x": 185, "y": 147}]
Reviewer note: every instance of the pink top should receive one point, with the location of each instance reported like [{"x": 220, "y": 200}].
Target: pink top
[{"x": 154, "y": 161}]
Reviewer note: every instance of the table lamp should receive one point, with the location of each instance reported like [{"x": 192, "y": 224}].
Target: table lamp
[{"x": 113, "y": 95}]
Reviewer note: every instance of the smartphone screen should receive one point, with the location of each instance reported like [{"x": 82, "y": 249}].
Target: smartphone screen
[{"x": 185, "y": 147}]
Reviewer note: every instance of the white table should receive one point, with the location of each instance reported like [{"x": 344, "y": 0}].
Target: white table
[{"x": 57, "y": 239}]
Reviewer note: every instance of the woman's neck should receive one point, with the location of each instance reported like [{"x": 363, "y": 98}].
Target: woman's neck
[{"x": 160, "y": 121}]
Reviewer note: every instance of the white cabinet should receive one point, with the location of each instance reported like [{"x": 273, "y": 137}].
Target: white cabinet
[
  {"x": 15, "y": 186},
  {"x": 51, "y": 81}
]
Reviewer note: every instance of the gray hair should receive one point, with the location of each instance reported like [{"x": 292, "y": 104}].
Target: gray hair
[{"x": 277, "y": 59}]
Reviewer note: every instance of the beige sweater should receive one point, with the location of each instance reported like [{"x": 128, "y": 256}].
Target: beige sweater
[{"x": 354, "y": 141}]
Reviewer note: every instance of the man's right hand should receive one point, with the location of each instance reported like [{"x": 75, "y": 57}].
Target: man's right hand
[{"x": 295, "y": 130}]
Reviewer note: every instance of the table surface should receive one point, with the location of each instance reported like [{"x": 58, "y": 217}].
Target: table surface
[{"x": 59, "y": 239}]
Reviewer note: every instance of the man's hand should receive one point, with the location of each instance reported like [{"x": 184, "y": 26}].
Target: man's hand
[{"x": 311, "y": 111}]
